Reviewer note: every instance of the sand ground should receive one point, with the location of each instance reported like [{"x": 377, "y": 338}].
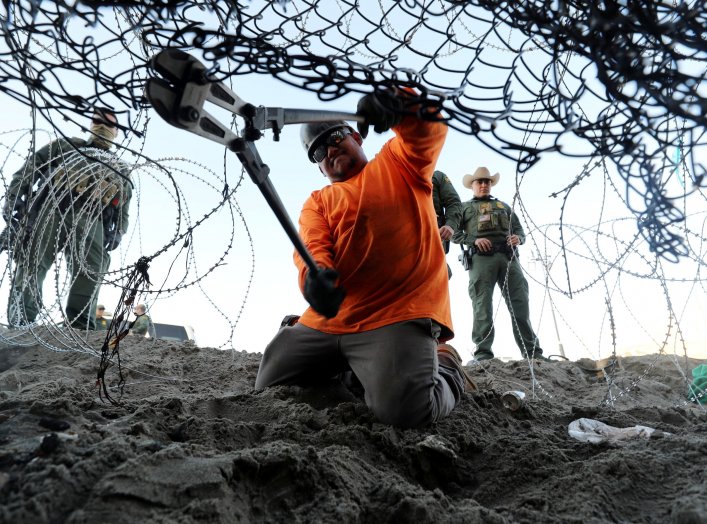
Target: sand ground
[{"x": 192, "y": 441}]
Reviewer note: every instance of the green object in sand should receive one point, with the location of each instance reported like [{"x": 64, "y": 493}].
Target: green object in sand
[{"x": 699, "y": 384}]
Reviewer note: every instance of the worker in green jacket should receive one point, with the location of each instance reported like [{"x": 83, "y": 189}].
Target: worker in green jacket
[
  {"x": 71, "y": 197},
  {"x": 102, "y": 323},
  {"x": 493, "y": 233},
  {"x": 448, "y": 208},
  {"x": 142, "y": 324}
]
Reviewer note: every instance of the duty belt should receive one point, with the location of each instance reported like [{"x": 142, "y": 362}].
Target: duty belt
[{"x": 497, "y": 247}]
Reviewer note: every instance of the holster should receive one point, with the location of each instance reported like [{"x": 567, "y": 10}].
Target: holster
[{"x": 465, "y": 257}]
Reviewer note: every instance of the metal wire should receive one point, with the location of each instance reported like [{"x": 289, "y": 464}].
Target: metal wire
[{"x": 619, "y": 83}]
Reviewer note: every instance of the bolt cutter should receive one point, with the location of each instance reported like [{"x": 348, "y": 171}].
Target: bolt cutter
[{"x": 179, "y": 94}]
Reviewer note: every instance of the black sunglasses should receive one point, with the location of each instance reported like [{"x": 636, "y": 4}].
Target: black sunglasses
[{"x": 333, "y": 139}]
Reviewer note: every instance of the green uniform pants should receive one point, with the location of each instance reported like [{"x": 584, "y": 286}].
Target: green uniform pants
[
  {"x": 486, "y": 272},
  {"x": 79, "y": 235}
]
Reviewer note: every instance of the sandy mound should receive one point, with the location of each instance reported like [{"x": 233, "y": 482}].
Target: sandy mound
[{"x": 193, "y": 442}]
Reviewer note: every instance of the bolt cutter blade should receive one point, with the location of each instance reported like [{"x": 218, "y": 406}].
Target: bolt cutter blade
[
  {"x": 163, "y": 98},
  {"x": 181, "y": 87},
  {"x": 178, "y": 67}
]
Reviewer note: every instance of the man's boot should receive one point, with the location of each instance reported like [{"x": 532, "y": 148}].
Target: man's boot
[{"x": 449, "y": 357}]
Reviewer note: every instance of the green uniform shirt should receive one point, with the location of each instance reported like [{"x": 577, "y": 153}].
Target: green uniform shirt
[
  {"x": 49, "y": 159},
  {"x": 487, "y": 218},
  {"x": 39, "y": 165},
  {"x": 142, "y": 324},
  {"x": 445, "y": 198}
]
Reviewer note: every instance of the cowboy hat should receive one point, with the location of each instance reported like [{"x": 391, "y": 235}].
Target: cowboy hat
[{"x": 481, "y": 172}]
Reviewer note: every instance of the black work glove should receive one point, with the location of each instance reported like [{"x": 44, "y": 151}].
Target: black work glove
[
  {"x": 322, "y": 293},
  {"x": 382, "y": 110},
  {"x": 113, "y": 239}
]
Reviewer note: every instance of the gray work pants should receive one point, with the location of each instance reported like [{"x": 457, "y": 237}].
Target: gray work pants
[{"x": 397, "y": 366}]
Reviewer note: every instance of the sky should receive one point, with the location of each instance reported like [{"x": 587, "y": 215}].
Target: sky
[
  {"x": 237, "y": 280},
  {"x": 255, "y": 286}
]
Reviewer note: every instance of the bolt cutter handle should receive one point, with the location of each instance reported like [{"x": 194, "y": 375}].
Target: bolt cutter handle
[{"x": 178, "y": 95}]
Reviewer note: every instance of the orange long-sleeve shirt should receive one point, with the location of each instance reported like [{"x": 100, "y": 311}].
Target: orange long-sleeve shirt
[{"x": 378, "y": 229}]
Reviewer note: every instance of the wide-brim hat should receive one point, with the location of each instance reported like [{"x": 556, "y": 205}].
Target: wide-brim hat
[{"x": 481, "y": 172}]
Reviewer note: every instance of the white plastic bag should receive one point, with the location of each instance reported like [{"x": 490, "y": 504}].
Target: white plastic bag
[{"x": 595, "y": 432}]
